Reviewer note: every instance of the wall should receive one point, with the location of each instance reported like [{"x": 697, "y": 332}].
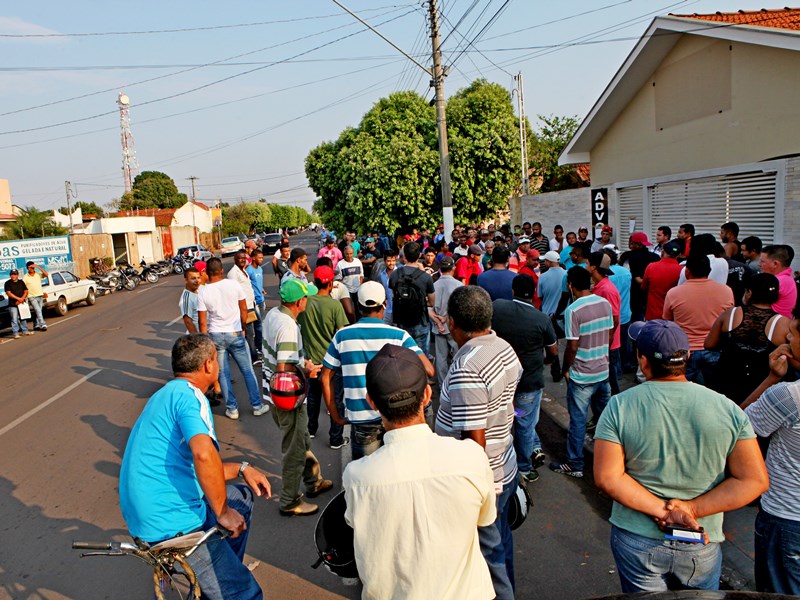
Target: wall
[
  {"x": 569, "y": 208},
  {"x": 5, "y": 197},
  {"x": 88, "y": 246},
  {"x": 757, "y": 126},
  {"x": 791, "y": 208}
]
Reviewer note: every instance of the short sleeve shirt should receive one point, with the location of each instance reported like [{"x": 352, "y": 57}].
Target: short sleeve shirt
[
  {"x": 322, "y": 317},
  {"x": 352, "y": 272},
  {"x": 605, "y": 289},
  {"x": 497, "y": 283},
  {"x": 34, "y": 284},
  {"x": 588, "y": 320},
  {"x": 549, "y": 289},
  {"x": 160, "y": 495},
  {"x": 188, "y": 307},
  {"x": 283, "y": 343},
  {"x": 468, "y": 269},
  {"x": 221, "y": 301},
  {"x": 256, "y": 275}
]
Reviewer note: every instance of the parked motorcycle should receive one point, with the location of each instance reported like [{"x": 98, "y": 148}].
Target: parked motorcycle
[
  {"x": 148, "y": 273},
  {"x": 127, "y": 270},
  {"x": 126, "y": 281},
  {"x": 181, "y": 263}
]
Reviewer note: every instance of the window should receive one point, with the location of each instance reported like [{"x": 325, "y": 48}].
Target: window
[
  {"x": 69, "y": 277},
  {"x": 57, "y": 279}
]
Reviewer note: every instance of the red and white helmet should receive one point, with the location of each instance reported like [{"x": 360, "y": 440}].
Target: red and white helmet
[{"x": 288, "y": 388}]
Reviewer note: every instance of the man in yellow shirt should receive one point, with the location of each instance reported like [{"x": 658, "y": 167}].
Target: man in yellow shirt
[{"x": 36, "y": 295}]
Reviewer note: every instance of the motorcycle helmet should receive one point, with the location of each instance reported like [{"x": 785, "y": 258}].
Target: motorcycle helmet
[
  {"x": 334, "y": 540},
  {"x": 519, "y": 506},
  {"x": 288, "y": 388}
]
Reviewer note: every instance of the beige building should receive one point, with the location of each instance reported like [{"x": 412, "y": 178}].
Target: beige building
[{"x": 701, "y": 124}]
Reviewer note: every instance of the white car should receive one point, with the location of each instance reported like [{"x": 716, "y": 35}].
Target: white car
[
  {"x": 63, "y": 289},
  {"x": 231, "y": 245}
]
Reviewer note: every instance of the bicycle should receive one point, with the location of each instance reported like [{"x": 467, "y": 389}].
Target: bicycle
[{"x": 162, "y": 557}]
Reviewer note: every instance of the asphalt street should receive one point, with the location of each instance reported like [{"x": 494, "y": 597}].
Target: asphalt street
[{"x": 70, "y": 398}]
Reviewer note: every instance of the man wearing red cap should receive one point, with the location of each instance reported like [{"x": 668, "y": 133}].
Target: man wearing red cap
[
  {"x": 638, "y": 257},
  {"x": 603, "y": 240}
]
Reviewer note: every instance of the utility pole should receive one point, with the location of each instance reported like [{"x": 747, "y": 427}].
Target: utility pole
[
  {"x": 69, "y": 203},
  {"x": 437, "y": 82},
  {"x": 192, "y": 178},
  {"x": 523, "y": 136}
]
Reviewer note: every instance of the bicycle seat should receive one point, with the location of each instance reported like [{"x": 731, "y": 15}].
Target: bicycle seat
[{"x": 182, "y": 542}]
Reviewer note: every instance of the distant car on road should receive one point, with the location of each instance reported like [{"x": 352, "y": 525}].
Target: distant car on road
[
  {"x": 231, "y": 245},
  {"x": 64, "y": 289},
  {"x": 271, "y": 242},
  {"x": 196, "y": 251}
]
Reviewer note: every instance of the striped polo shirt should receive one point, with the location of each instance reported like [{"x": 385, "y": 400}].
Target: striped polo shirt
[
  {"x": 589, "y": 320},
  {"x": 350, "y": 350},
  {"x": 776, "y": 415},
  {"x": 283, "y": 343},
  {"x": 478, "y": 393}
]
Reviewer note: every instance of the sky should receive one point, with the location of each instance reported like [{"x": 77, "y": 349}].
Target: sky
[{"x": 237, "y": 93}]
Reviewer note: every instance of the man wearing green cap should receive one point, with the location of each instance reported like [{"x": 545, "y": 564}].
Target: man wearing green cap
[{"x": 283, "y": 351}]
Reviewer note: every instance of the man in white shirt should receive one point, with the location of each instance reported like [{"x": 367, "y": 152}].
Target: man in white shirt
[
  {"x": 351, "y": 272},
  {"x": 222, "y": 313},
  {"x": 238, "y": 273},
  {"x": 426, "y": 495}
]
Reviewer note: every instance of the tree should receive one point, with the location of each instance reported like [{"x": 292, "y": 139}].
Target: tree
[
  {"x": 246, "y": 218},
  {"x": 33, "y": 223},
  {"x": 384, "y": 174},
  {"x": 546, "y": 145},
  {"x": 87, "y": 208},
  {"x": 152, "y": 189}
]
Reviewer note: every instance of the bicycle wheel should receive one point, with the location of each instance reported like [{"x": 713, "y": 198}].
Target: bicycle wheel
[{"x": 175, "y": 584}]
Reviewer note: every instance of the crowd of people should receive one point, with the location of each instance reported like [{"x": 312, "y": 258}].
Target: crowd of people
[{"x": 708, "y": 329}]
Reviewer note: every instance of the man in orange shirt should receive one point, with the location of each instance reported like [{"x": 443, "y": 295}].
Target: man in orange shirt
[{"x": 695, "y": 306}]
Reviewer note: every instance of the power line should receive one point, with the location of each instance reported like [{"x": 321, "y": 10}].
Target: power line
[{"x": 485, "y": 28}]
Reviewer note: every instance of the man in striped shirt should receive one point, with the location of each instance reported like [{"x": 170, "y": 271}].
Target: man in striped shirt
[
  {"x": 477, "y": 403},
  {"x": 589, "y": 329},
  {"x": 349, "y": 352}
]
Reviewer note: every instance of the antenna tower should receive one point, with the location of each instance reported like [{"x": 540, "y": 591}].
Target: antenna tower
[{"x": 130, "y": 166}]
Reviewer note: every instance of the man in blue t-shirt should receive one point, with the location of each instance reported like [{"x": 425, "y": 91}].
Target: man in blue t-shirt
[
  {"x": 497, "y": 280},
  {"x": 172, "y": 480},
  {"x": 256, "y": 274}
]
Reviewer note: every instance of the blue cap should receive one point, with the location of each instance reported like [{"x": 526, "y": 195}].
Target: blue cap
[{"x": 659, "y": 339}]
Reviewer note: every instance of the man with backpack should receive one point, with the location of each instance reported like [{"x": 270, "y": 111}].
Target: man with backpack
[{"x": 413, "y": 296}]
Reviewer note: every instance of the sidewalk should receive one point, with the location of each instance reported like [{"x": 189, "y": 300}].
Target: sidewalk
[{"x": 737, "y": 549}]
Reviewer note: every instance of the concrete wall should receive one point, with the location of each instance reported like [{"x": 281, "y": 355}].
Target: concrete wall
[
  {"x": 569, "y": 208},
  {"x": 650, "y": 138},
  {"x": 86, "y": 247},
  {"x": 791, "y": 208}
]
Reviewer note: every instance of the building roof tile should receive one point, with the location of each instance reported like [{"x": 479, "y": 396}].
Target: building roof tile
[{"x": 779, "y": 18}]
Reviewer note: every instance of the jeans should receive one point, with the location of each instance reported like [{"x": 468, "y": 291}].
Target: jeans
[
  {"x": 315, "y": 401},
  {"x": 444, "y": 348},
  {"x": 421, "y": 334},
  {"x": 650, "y": 565},
  {"x": 526, "y": 416},
  {"x": 497, "y": 546},
  {"x": 37, "y": 305},
  {"x": 777, "y": 545},
  {"x": 218, "y": 564},
  {"x": 16, "y": 322},
  {"x": 614, "y": 370},
  {"x": 366, "y": 438},
  {"x": 298, "y": 463},
  {"x": 629, "y": 361},
  {"x": 579, "y": 397},
  {"x": 235, "y": 345},
  {"x": 702, "y": 367},
  {"x": 258, "y": 334}
]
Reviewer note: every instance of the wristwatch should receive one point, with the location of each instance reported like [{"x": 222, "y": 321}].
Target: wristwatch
[{"x": 243, "y": 466}]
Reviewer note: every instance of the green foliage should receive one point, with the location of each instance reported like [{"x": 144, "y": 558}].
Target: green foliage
[
  {"x": 252, "y": 217},
  {"x": 545, "y": 146},
  {"x": 384, "y": 174},
  {"x": 33, "y": 223},
  {"x": 152, "y": 189},
  {"x": 87, "y": 208}
]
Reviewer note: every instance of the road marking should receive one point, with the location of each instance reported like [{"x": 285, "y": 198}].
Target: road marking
[
  {"x": 171, "y": 323},
  {"x": 47, "y": 403},
  {"x": 149, "y": 287},
  {"x": 54, "y": 323}
]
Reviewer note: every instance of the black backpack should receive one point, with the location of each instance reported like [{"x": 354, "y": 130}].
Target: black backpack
[{"x": 408, "y": 302}]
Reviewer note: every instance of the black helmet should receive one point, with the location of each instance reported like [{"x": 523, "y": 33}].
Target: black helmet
[
  {"x": 518, "y": 506},
  {"x": 334, "y": 540}
]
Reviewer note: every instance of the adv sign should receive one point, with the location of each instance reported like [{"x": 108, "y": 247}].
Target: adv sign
[
  {"x": 599, "y": 208},
  {"x": 49, "y": 252}
]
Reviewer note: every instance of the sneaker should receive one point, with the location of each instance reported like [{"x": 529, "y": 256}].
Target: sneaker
[
  {"x": 301, "y": 510},
  {"x": 258, "y": 362},
  {"x": 591, "y": 425},
  {"x": 42, "y": 328},
  {"x": 341, "y": 444},
  {"x": 528, "y": 477},
  {"x": 565, "y": 469},
  {"x": 232, "y": 413},
  {"x": 322, "y": 487},
  {"x": 312, "y": 435},
  {"x": 538, "y": 458},
  {"x": 261, "y": 410},
  {"x": 16, "y": 336},
  {"x": 29, "y": 332}
]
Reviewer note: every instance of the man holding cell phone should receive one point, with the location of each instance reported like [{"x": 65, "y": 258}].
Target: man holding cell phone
[{"x": 662, "y": 449}]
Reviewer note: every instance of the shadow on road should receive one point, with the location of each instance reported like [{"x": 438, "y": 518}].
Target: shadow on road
[
  {"x": 115, "y": 435},
  {"x": 126, "y": 376}
]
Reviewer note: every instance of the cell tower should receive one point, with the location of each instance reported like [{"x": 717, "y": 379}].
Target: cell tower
[{"x": 130, "y": 166}]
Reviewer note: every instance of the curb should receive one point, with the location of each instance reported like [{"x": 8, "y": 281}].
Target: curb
[{"x": 732, "y": 574}]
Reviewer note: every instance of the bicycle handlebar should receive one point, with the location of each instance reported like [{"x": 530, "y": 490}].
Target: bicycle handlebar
[{"x": 91, "y": 545}]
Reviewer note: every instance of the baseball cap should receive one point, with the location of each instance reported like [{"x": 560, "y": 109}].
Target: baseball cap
[
  {"x": 659, "y": 339},
  {"x": 671, "y": 248},
  {"x": 200, "y": 265},
  {"x": 446, "y": 263},
  {"x": 474, "y": 249},
  {"x": 640, "y": 237},
  {"x": 324, "y": 274},
  {"x": 484, "y": 232},
  {"x": 393, "y": 370},
  {"x": 330, "y": 240},
  {"x": 606, "y": 229},
  {"x": 371, "y": 293},
  {"x": 552, "y": 256},
  {"x": 524, "y": 240},
  {"x": 533, "y": 252},
  {"x": 13, "y": 272},
  {"x": 294, "y": 289},
  {"x": 601, "y": 261},
  {"x": 370, "y": 239}
]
